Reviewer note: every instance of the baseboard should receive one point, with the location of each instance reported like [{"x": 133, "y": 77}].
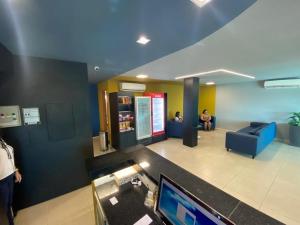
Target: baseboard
[
  {"x": 286, "y": 141},
  {"x": 224, "y": 129}
]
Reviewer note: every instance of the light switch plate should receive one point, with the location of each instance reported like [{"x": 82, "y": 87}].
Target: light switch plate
[{"x": 10, "y": 116}]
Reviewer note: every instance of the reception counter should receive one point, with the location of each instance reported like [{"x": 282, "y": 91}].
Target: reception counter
[{"x": 230, "y": 207}]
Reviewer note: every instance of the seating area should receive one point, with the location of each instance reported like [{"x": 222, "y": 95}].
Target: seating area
[
  {"x": 213, "y": 123},
  {"x": 175, "y": 129},
  {"x": 253, "y": 139}
]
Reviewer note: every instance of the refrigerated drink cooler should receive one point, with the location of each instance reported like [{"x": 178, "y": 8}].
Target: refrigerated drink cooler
[{"x": 151, "y": 117}]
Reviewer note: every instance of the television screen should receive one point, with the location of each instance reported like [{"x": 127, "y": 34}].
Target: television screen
[{"x": 177, "y": 206}]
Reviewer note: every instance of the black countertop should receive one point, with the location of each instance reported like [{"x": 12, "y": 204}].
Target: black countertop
[
  {"x": 130, "y": 206},
  {"x": 232, "y": 208}
]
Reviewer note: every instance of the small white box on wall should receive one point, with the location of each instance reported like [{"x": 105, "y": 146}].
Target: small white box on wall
[
  {"x": 10, "y": 116},
  {"x": 31, "y": 116}
]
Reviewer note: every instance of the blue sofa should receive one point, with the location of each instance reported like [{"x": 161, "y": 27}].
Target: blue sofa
[
  {"x": 174, "y": 129},
  {"x": 252, "y": 139},
  {"x": 201, "y": 123}
]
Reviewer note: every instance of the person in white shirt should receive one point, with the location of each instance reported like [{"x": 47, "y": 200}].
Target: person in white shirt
[
  {"x": 8, "y": 172},
  {"x": 178, "y": 117}
]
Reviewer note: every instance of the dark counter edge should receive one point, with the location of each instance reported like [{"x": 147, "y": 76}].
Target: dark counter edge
[{"x": 232, "y": 208}]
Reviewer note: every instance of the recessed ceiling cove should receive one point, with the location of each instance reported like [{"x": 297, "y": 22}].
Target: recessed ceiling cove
[
  {"x": 263, "y": 42},
  {"x": 104, "y": 32}
]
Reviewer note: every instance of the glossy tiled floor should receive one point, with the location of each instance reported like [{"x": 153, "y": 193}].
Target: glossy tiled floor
[
  {"x": 270, "y": 183},
  {"x": 75, "y": 208}
]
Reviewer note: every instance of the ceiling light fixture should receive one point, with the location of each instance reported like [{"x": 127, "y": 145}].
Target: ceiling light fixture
[
  {"x": 96, "y": 68},
  {"x": 216, "y": 71},
  {"x": 200, "y": 3},
  {"x": 143, "y": 40},
  {"x": 142, "y": 76},
  {"x": 210, "y": 83}
]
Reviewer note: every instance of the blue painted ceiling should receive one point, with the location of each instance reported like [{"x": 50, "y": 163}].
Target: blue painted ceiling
[{"x": 104, "y": 32}]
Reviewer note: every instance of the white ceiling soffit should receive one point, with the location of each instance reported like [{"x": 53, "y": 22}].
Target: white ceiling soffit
[{"x": 263, "y": 41}]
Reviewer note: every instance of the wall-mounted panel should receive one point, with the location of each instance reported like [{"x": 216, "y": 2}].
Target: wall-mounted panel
[{"x": 10, "y": 116}]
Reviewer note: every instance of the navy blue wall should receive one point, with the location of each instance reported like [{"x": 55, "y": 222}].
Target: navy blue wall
[
  {"x": 51, "y": 155},
  {"x": 94, "y": 108}
]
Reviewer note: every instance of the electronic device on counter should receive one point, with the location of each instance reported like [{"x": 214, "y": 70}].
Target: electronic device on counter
[
  {"x": 177, "y": 206},
  {"x": 125, "y": 175}
]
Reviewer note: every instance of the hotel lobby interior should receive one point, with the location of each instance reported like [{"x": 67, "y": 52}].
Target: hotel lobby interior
[{"x": 150, "y": 112}]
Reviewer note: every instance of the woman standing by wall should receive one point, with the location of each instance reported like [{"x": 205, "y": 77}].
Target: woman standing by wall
[{"x": 8, "y": 172}]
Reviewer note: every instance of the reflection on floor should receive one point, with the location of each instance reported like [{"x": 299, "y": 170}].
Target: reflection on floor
[{"x": 270, "y": 182}]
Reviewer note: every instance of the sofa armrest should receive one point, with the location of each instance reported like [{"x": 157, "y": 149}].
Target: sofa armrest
[
  {"x": 213, "y": 122},
  {"x": 174, "y": 129},
  {"x": 242, "y": 142}
]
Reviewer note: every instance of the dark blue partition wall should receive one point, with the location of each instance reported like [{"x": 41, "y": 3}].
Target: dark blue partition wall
[
  {"x": 51, "y": 155},
  {"x": 95, "y": 121}
]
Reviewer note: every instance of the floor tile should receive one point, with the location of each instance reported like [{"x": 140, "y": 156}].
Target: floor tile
[{"x": 262, "y": 182}]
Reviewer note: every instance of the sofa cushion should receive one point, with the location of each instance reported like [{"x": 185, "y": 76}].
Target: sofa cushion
[
  {"x": 255, "y": 131},
  {"x": 245, "y": 130}
]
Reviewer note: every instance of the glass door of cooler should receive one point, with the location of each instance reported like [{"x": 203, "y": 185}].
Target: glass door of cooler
[
  {"x": 158, "y": 112},
  {"x": 143, "y": 117}
]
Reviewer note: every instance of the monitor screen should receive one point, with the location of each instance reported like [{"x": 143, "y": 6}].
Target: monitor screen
[{"x": 177, "y": 206}]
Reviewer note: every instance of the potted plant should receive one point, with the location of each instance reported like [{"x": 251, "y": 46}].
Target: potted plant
[{"x": 294, "y": 122}]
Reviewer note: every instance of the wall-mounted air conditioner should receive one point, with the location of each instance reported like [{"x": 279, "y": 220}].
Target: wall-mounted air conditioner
[
  {"x": 287, "y": 83},
  {"x": 134, "y": 87}
]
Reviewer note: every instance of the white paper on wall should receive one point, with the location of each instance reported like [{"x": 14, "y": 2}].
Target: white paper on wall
[{"x": 31, "y": 116}]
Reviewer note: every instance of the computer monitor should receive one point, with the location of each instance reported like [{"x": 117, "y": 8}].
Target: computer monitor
[{"x": 176, "y": 206}]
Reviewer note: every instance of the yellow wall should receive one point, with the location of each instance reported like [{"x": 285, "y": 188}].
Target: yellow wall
[
  {"x": 175, "y": 95},
  {"x": 102, "y": 86},
  {"x": 207, "y": 96},
  {"x": 207, "y": 99}
]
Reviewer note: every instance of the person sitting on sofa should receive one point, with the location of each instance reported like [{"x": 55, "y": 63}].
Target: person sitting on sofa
[
  {"x": 178, "y": 117},
  {"x": 207, "y": 120}
]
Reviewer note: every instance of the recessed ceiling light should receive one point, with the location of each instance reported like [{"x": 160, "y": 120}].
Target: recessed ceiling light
[
  {"x": 200, "y": 3},
  {"x": 210, "y": 83},
  {"x": 216, "y": 71},
  {"x": 142, "y": 76},
  {"x": 143, "y": 40}
]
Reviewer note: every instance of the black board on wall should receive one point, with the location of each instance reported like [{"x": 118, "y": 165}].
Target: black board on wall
[
  {"x": 51, "y": 165},
  {"x": 60, "y": 121}
]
